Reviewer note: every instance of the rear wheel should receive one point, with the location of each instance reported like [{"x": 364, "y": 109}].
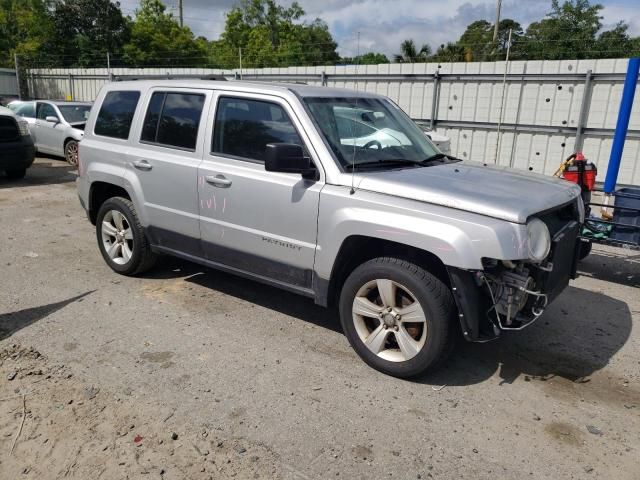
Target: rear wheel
[
  {"x": 121, "y": 238},
  {"x": 71, "y": 152},
  {"x": 16, "y": 174},
  {"x": 397, "y": 316}
]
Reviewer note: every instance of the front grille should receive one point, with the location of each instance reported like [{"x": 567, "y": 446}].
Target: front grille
[
  {"x": 564, "y": 227},
  {"x": 556, "y": 219},
  {"x": 9, "y": 130}
]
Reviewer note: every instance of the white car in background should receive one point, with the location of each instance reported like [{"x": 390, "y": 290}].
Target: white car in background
[
  {"x": 56, "y": 127},
  {"x": 363, "y": 128},
  {"x": 441, "y": 141}
]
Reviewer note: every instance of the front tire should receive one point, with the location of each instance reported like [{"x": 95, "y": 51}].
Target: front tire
[
  {"x": 121, "y": 238},
  {"x": 16, "y": 174},
  {"x": 397, "y": 317},
  {"x": 71, "y": 152}
]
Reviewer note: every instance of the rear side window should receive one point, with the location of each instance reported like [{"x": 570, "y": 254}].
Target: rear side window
[
  {"x": 173, "y": 119},
  {"x": 27, "y": 110},
  {"x": 116, "y": 114},
  {"x": 243, "y": 128}
]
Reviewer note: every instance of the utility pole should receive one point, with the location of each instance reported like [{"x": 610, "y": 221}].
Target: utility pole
[
  {"x": 495, "y": 27},
  {"x": 180, "y": 13}
]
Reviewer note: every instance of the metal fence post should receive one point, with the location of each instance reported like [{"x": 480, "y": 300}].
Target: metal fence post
[
  {"x": 15, "y": 58},
  {"x": 584, "y": 112},
  {"x": 71, "y": 87},
  {"x": 435, "y": 100},
  {"x": 515, "y": 130}
]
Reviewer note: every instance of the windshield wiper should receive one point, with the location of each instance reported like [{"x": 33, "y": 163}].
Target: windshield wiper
[
  {"x": 384, "y": 163},
  {"x": 441, "y": 157}
]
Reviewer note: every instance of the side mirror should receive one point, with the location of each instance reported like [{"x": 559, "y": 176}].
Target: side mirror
[
  {"x": 288, "y": 158},
  {"x": 52, "y": 119}
]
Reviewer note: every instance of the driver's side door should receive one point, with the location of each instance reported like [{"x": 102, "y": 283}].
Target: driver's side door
[{"x": 257, "y": 222}]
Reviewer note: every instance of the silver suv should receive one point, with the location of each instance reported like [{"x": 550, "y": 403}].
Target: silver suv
[{"x": 333, "y": 194}]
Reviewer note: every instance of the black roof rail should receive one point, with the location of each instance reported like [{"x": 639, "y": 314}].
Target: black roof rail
[{"x": 169, "y": 76}]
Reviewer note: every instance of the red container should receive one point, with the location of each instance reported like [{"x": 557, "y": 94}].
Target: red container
[{"x": 572, "y": 174}]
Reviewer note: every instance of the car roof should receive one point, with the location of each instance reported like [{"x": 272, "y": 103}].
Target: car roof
[
  {"x": 301, "y": 90},
  {"x": 64, "y": 103}
]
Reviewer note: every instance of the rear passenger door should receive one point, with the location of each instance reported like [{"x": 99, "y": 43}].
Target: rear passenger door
[
  {"x": 260, "y": 222},
  {"x": 164, "y": 160}
]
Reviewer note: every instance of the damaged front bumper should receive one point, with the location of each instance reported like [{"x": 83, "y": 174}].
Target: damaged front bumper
[{"x": 511, "y": 295}]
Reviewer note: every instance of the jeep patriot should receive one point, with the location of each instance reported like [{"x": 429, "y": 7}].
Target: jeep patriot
[{"x": 333, "y": 194}]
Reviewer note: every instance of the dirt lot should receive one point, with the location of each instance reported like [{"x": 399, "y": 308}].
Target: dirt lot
[{"x": 191, "y": 373}]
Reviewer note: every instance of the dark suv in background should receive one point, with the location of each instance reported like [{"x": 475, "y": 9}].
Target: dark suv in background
[{"x": 16, "y": 146}]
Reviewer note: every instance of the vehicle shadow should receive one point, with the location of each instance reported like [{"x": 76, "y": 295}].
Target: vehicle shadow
[
  {"x": 11, "y": 322},
  {"x": 45, "y": 171},
  {"x": 578, "y": 335},
  {"x": 621, "y": 267},
  {"x": 246, "y": 290}
]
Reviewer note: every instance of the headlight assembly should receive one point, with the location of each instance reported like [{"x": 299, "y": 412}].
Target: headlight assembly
[
  {"x": 23, "y": 127},
  {"x": 539, "y": 240}
]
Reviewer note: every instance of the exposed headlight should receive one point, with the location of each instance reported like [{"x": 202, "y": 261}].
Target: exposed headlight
[
  {"x": 23, "y": 127},
  {"x": 539, "y": 240}
]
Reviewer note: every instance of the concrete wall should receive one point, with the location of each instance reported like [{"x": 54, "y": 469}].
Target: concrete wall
[{"x": 540, "y": 116}]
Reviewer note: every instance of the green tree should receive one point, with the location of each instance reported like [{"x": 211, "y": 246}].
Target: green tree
[
  {"x": 410, "y": 54},
  {"x": 85, "y": 30},
  {"x": 369, "y": 58},
  {"x": 25, "y": 28},
  {"x": 568, "y": 31},
  {"x": 158, "y": 40},
  {"x": 271, "y": 36},
  {"x": 451, "y": 52},
  {"x": 616, "y": 43}
]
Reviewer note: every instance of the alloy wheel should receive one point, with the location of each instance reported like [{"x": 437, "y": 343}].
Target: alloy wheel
[
  {"x": 117, "y": 237},
  {"x": 71, "y": 152},
  {"x": 389, "y": 320}
]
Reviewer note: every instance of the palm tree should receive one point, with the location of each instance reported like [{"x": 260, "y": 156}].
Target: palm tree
[{"x": 409, "y": 53}]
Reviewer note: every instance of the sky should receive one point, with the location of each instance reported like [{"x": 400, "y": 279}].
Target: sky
[{"x": 384, "y": 24}]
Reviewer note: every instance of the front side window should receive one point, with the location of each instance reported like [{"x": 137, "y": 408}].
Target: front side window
[
  {"x": 75, "y": 113},
  {"x": 116, "y": 114},
  {"x": 172, "y": 119},
  {"x": 371, "y": 132},
  {"x": 244, "y": 127},
  {"x": 45, "y": 110}
]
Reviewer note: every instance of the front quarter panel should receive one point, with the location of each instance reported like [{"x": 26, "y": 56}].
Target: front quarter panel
[{"x": 459, "y": 239}]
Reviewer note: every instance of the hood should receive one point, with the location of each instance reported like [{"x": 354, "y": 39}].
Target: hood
[{"x": 497, "y": 192}]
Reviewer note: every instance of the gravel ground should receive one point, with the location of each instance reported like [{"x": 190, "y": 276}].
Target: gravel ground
[{"x": 190, "y": 373}]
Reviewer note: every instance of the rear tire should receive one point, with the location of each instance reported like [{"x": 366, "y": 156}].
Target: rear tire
[
  {"x": 397, "y": 316},
  {"x": 121, "y": 238},
  {"x": 16, "y": 174}
]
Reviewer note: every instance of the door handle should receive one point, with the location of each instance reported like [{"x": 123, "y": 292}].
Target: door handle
[
  {"x": 142, "y": 165},
  {"x": 218, "y": 181}
]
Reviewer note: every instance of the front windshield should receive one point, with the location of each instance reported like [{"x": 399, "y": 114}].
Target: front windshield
[
  {"x": 368, "y": 131},
  {"x": 75, "y": 113}
]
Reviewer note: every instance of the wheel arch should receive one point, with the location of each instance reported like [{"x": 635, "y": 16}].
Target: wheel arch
[
  {"x": 357, "y": 249},
  {"x": 99, "y": 192}
]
